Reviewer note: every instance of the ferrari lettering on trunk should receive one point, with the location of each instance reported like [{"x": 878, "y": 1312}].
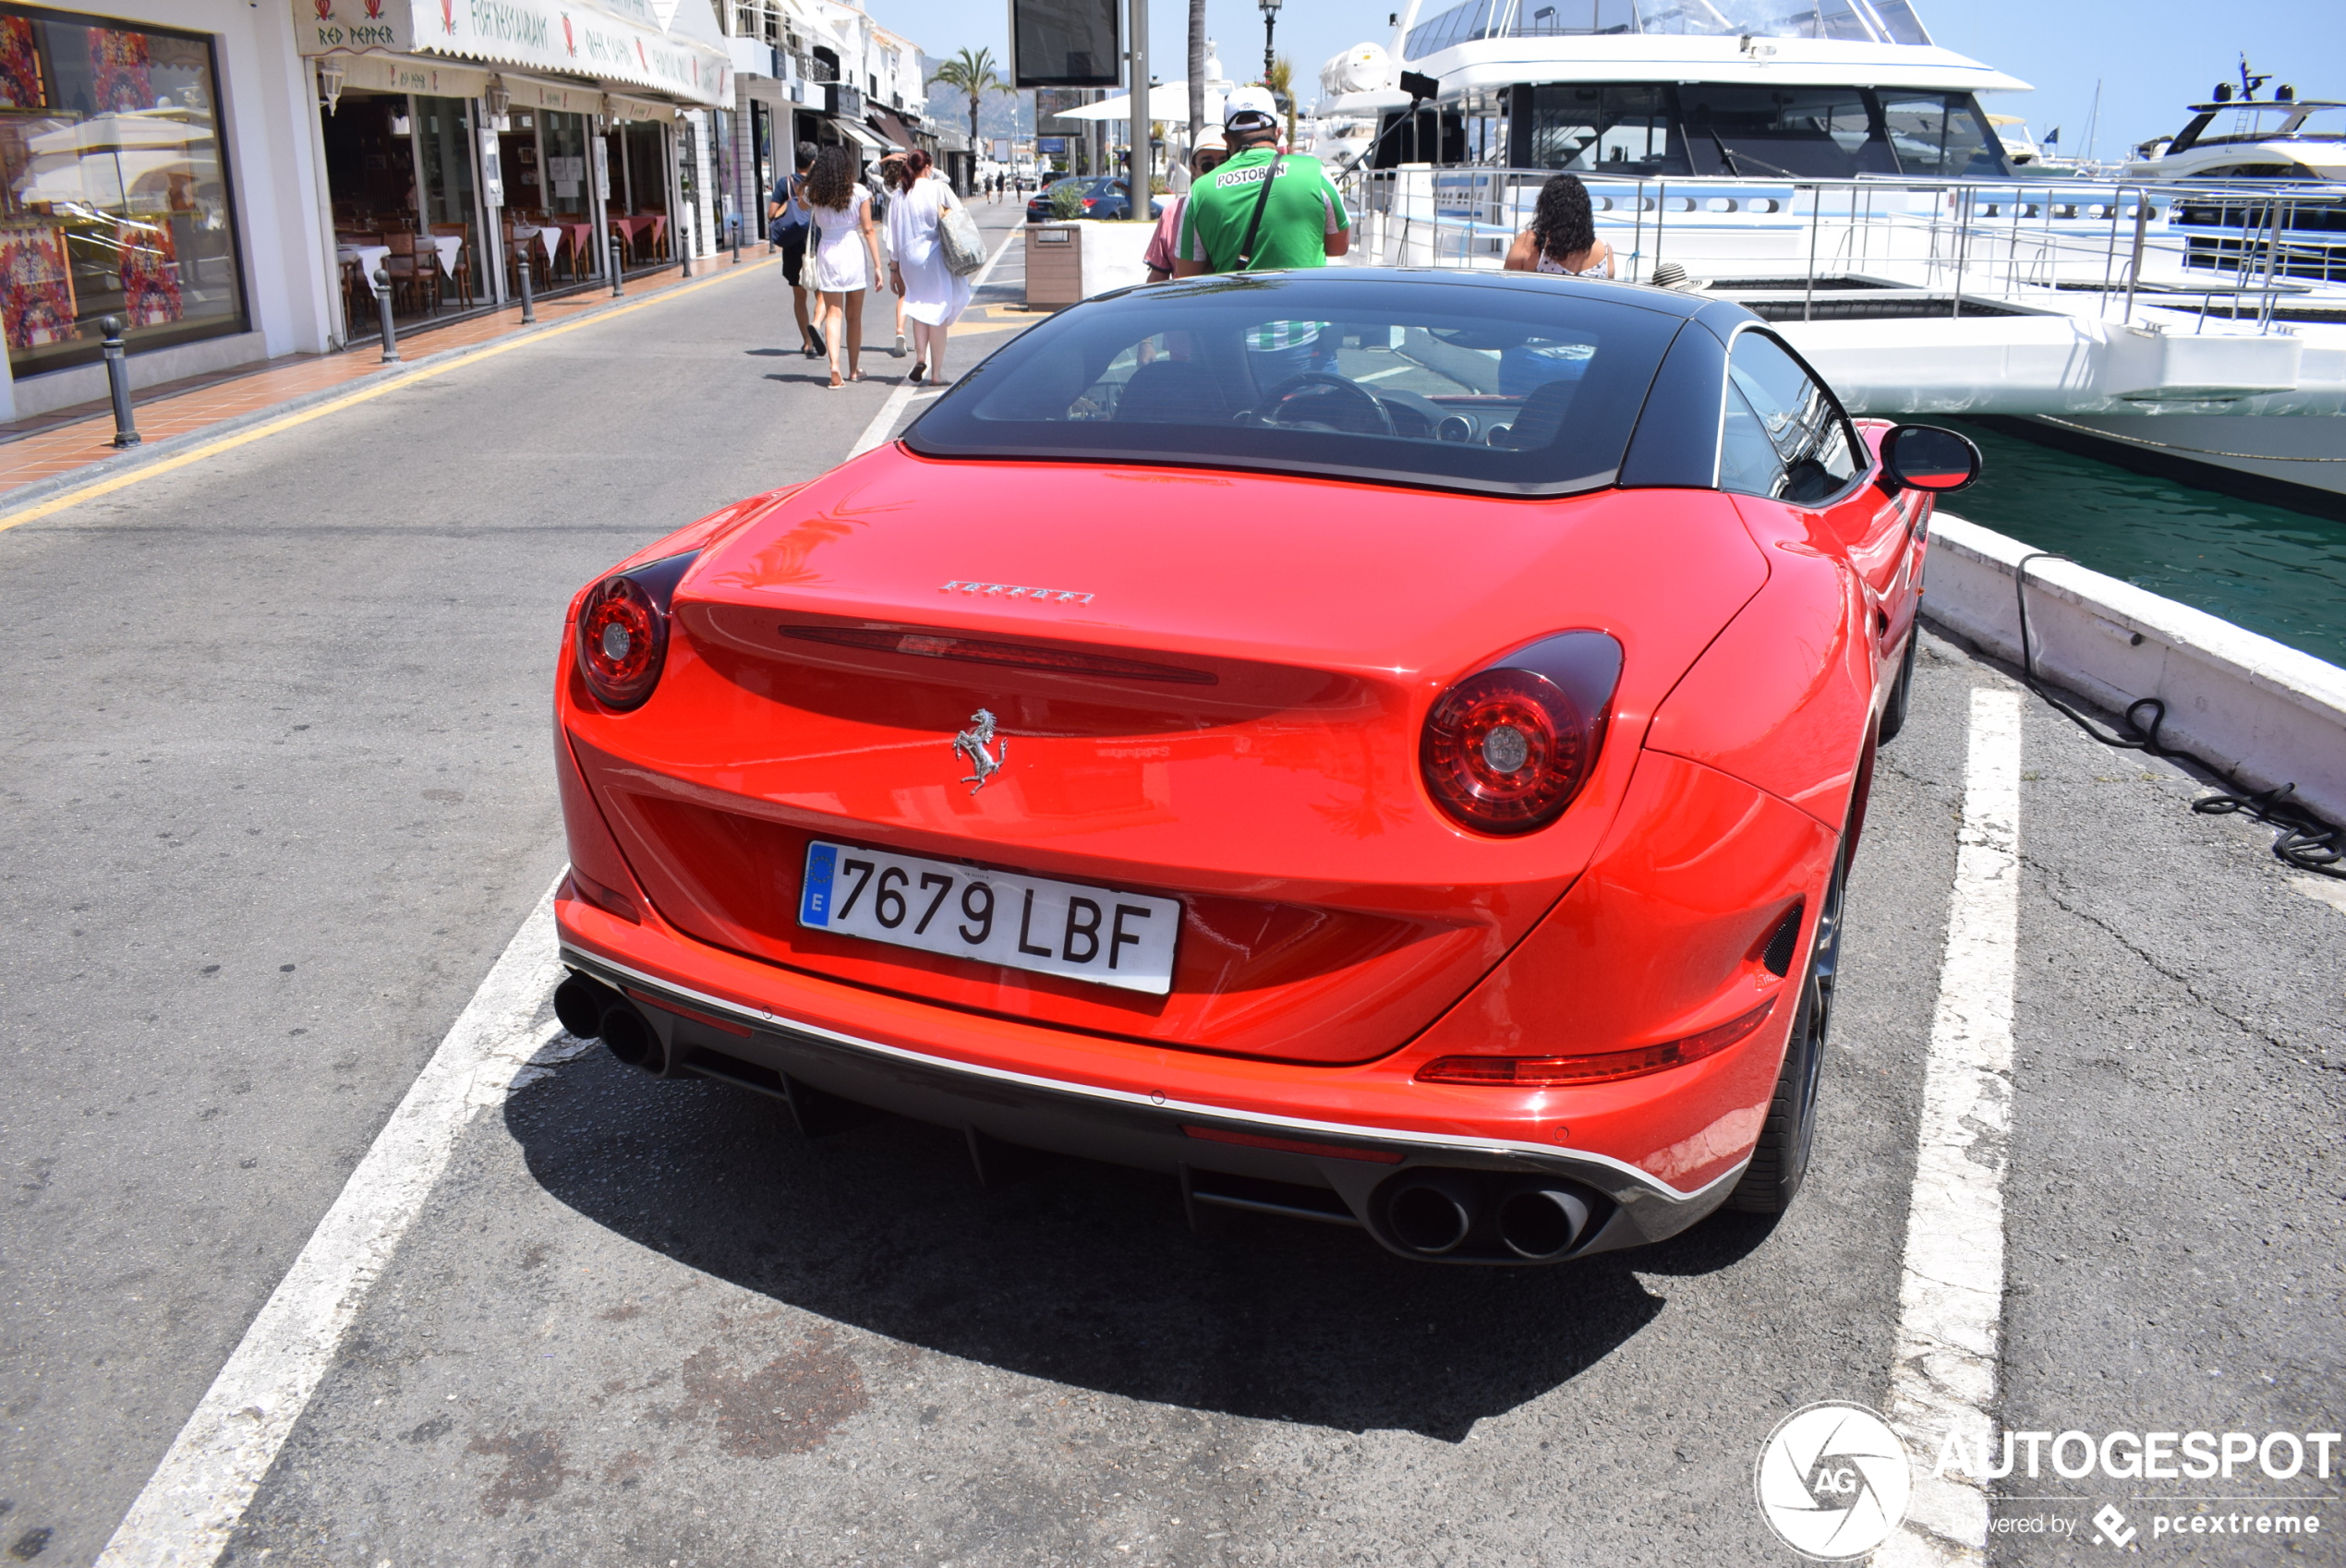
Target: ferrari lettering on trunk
[{"x": 1099, "y": 934}]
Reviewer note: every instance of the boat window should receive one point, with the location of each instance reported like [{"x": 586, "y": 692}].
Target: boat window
[
  {"x": 1941, "y": 136},
  {"x": 1898, "y": 19},
  {"x": 1475, "y": 19},
  {"x": 1515, "y": 388},
  {"x": 1553, "y": 18},
  {"x": 1782, "y": 132},
  {"x": 1607, "y": 129},
  {"x": 1812, "y": 450},
  {"x": 1875, "y": 22}
]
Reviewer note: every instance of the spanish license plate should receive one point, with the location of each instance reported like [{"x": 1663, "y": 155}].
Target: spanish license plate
[{"x": 1030, "y": 923}]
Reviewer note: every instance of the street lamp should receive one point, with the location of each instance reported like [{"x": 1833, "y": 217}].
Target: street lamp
[{"x": 1270, "y": 19}]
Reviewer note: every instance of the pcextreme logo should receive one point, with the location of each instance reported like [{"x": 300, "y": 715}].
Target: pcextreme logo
[{"x": 1832, "y": 1481}]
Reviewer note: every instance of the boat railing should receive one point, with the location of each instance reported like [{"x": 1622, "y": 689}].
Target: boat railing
[{"x": 2249, "y": 252}]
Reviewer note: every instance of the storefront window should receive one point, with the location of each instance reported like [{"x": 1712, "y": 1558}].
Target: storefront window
[
  {"x": 113, "y": 194},
  {"x": 563, "y": 137}
]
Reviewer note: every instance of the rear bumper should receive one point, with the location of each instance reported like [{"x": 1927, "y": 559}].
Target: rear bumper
[{"x": 1224, "y": 1155}]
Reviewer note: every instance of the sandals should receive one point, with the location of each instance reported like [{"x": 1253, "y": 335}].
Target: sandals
[
  {"x": 919, "y": 370},
  {"x": 899, "y": 350},
  {"x": 815, "y": 345}
]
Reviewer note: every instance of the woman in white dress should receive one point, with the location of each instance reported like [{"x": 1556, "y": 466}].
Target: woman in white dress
[
  {"x": 844, "y": 259},
  {"x": 934, "y": 296}
]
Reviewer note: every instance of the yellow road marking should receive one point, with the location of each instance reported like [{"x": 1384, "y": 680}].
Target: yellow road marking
[{"x": 372, "y": 389}]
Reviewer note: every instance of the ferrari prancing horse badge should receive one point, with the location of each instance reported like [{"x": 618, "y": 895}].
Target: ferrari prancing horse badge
[{"x": 971, "y": 743}]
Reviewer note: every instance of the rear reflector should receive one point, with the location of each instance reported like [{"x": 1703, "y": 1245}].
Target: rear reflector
[
  {"x": 609, "y": 900},
  {"x": 1018, "y": 656},
  {"x": 1536, "y": 1072},
  {"x": 664, "y": 1005},
  {"x": 1295, "y": 1145}
]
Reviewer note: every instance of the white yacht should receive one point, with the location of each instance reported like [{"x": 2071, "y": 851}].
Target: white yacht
[
  {"x": 1830, "y": 166},
  {"x": 2243, "y": 136},
  {"x": 1653, "y": 87}
]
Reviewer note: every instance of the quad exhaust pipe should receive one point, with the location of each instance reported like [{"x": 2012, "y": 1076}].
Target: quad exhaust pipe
[
  {"x": 1434, "y": 1213},
  {"x": 592, "y": 1011}
]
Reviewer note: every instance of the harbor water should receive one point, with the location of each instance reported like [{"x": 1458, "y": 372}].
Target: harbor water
[{"x": 2266, "y": 568}]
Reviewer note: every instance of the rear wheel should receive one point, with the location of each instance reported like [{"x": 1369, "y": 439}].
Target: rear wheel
[
  {"x": 1893, "y": 712},
  {"x": 1781, "y": 1160}
]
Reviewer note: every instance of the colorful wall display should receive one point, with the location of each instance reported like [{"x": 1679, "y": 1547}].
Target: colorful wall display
[
  {"x": 114, "y": 196},
  {"x": 36, "y": 285}
]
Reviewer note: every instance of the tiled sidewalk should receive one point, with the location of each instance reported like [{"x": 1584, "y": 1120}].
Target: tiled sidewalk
[{"x": 47, "y": 447}]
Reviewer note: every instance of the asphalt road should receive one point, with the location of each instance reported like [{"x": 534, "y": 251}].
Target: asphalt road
[{"x": 274, "y": 793}]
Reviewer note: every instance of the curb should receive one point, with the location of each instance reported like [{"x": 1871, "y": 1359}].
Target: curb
[
  {"x": 39, "y": 490},
  {"x": 2266, "y": 712}
]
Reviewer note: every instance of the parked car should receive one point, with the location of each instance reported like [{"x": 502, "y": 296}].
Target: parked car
[
  {"x": 1405, "y": 776},
  {"x": 1039, "y": 206},
  {"x": 1111, "y": 198}
]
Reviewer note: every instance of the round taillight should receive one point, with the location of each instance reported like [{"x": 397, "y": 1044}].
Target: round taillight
[
  {"x": 1505, "y": 751},
  {"x": 623, "y": 637}
]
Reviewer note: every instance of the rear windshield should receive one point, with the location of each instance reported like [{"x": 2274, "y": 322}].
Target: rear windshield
[{"x": 1525, "y": 390}]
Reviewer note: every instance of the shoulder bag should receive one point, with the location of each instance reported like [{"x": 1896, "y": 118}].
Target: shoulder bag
[
  {"x": 958, "y": 237},
  {"x": 1254, "y": 224}
]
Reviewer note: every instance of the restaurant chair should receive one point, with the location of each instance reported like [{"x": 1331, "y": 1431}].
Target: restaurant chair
[{"x": 415, "y": 274}]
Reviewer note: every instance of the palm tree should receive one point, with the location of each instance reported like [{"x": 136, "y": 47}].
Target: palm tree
[
  {"x": 970, "y": 73},
  {"x": 1280, "y": 79},
  {"x": 1197, "y": 70}
]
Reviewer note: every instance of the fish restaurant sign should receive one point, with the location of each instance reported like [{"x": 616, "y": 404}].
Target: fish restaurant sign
[{"x": 553, "y": 35}]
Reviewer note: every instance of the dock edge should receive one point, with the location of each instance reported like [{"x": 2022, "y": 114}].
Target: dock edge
[{"x": 2266, "y": 713}]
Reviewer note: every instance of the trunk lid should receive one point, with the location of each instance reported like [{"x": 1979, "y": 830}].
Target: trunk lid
[{"x": 1210, "y": 687}]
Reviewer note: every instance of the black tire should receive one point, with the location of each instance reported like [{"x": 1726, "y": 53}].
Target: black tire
[
  {"x": 1781, "y": 1161},
  {"x": 1893, "y": 713}
]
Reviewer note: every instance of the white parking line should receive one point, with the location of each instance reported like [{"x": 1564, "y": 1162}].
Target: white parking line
[
  {"x": 1951, "y": 1297},
  {"x": 194, "y": 1500},
  {"x": 891, "y": 411}
]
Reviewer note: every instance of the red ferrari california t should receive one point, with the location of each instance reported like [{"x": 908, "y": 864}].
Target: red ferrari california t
[{"x": 1376, "y": 746}]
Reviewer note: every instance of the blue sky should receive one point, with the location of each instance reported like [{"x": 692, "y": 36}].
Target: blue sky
[{"x": 2152, "y": 56}]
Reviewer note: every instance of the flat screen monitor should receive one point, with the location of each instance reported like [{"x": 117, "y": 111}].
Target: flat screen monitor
[{"x": 1064, "y": 44}]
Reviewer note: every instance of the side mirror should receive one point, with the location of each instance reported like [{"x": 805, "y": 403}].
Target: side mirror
[{"x": 1927, "y": 458}]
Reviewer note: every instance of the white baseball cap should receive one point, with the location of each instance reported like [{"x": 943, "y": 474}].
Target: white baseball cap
[{"x": 1249, "y": 108}]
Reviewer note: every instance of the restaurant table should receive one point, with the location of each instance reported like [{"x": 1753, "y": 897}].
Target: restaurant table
[
  {"x": 448, "y": 246},
  {"x": 639, "y": 227},
  {"x": 581, "y": 235},
  {"x": 368, "y": 257}
]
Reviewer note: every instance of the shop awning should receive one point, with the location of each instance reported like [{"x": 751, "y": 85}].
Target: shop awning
[
  {"x": 889, "y": 126},
  {"x": 619, "y": 106},
  {"x": 535, "y": 92},
  {"x": 863, "y": 137},
  {"x": 615, "y": 41},
  {"x": 407, "y": 73}
]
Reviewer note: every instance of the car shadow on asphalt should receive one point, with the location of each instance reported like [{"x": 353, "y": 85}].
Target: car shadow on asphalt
[{"x": 1082, "y": 1274}]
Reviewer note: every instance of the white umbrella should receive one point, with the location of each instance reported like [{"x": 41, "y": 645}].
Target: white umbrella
[{"x": 1168, "y": 100}]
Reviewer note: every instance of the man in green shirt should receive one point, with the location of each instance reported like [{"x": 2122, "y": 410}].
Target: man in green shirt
[{"x": 1303, "y": 222}]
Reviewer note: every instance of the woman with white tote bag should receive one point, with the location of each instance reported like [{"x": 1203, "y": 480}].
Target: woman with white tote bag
[{"x": 934, "y": 295}]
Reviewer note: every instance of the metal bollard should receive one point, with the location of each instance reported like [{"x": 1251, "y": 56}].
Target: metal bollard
[
  {"x": 528, "y": 300},
  {"x": 126, "y": 433},
  {"x": 610, "y": 254},
  {"x": 686, "y": 235},
  {"x": 383, "y": 307},
  {"x": 736, "y": 225}
]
